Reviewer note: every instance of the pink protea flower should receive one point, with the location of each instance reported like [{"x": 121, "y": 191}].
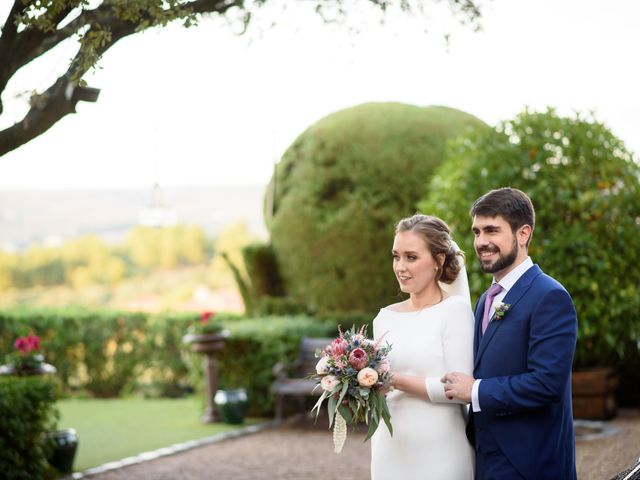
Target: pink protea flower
[
  {"x": 358, "y": 358},
  {"x": 339, "y": 347}
]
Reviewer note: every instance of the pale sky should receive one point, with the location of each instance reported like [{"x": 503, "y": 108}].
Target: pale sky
[{"x": 205, "y": 107}]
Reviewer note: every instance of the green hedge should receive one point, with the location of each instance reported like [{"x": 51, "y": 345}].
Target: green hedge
[
  {"x": 255, "y": 346},
  {"x": 26, "y": 412},
  {"x": 97, "y": 351},
  {"x": 108, "y": 353}
]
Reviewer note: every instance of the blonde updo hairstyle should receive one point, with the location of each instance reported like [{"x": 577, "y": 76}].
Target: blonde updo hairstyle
[{"x": 437, "y": 237}]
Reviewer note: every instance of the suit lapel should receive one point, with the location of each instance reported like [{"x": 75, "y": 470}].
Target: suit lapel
[
  {"x": 477, "y": 336},
  {"x": 512, "y": 298}
]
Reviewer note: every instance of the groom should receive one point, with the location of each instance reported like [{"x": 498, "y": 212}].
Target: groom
[{"x": 520, "y": 393}]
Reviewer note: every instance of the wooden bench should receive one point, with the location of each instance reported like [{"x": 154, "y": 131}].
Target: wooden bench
[{"x": 292, "y": 380}]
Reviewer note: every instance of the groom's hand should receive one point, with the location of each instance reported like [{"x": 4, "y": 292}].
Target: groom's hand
[{"x": 458, "y": 385}]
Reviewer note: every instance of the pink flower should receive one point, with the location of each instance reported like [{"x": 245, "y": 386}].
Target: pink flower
[
  {"x": 25, "y": 345},
  {"x": 370, "y": 343},
  {"x": 33, "y": 342},
  {"x": 379, "y": 340},
  {"x": 358, "y": 358},
  {"x": 205, "y": 317},
  {"x": 339, "y": 347},
  {"x": 367, "y": 377},
  {"x": 22, "y": 345},
  {"x": 383, "y": 366},
  {"x": 329, "y": 382},
  {"x": 338, "y": 362}
]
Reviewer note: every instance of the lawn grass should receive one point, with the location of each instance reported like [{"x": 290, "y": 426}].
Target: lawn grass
[{"x": 113, "y": 429}]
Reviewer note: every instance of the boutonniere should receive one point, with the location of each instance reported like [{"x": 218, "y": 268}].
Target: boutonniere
[{"x": 500, "y": 310}]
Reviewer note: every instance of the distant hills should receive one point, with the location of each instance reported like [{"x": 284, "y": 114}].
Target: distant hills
[{"x": 51, "y": 216}]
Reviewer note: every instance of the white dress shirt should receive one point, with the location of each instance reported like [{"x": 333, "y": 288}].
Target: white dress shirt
[{"x": 506, "y": 283}]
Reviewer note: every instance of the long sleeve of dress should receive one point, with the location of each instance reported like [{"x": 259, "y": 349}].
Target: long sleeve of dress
[{"x": 457, "y": 347}]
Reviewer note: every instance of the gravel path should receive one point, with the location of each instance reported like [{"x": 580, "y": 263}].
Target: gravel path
[{"x": 306, "y": 452}]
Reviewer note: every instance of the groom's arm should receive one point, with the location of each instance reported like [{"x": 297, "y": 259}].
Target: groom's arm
[{"x": 552, "y": 340}]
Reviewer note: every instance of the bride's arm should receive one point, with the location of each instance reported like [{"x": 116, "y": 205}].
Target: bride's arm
[
  {"x": 457, "y": 344},
  {"x": 412, "y": 384}
]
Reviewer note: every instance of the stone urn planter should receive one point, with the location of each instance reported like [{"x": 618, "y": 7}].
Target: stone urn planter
[
  {"x": 209, "y": 344},
  {"x": 594, "y": 393},
  {"x": 232, "y": 405},
  {"x": 41, "y": 369},
  {"x": 65, "y": 445}
]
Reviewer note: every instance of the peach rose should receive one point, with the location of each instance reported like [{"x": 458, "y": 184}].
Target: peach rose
[
  {"x": 367, "y": 377},
  {"x": 329, "y": 382}
]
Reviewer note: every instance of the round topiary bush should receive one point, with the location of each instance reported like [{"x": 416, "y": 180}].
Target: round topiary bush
[
  {"x": 339, "y": 190},
  {"x": 585, "y": 187}
]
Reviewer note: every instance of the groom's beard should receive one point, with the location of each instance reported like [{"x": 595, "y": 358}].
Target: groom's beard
[{"x": 502, "y": 262}]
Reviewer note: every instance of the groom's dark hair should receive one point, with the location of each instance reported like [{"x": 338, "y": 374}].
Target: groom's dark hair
[{"x": 510, "y": 203}]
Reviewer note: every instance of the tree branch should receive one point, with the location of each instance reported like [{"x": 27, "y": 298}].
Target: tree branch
[
  {"x": 7, "y": 41},
  {"x": 58, "y": 101},
  {"x": 105, "y": 23},
  {"x": 62, "y": 97}
]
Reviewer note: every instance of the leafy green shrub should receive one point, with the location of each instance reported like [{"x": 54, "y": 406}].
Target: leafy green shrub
[
  {"x": 100, "y": 351},
  {"x": 255, "y": 346},
  {"x": 113, "y": 351},
  {"x": 585, "y": 187},
  {"x": 162, "y": 364},
  {"x": 279, "y": 306},
  {"x": 166, "y": 372},
  {"x": 346, "y": 320},
  {"x": 340, "y": 188},
  {"x": 26, "y": 412},
  {"x": 262, "y": 269}
]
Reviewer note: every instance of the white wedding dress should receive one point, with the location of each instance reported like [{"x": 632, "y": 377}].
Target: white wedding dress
[{"x": 428, "y": 439}]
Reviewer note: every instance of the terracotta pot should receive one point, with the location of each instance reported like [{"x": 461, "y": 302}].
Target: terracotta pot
[{"x": 594, "y": 393}]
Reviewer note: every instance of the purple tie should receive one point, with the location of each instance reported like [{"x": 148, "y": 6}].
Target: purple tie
[{"x": 494, "y": 290}]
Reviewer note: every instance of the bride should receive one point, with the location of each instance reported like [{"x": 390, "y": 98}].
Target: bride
[{"x": 431, "y": 333}]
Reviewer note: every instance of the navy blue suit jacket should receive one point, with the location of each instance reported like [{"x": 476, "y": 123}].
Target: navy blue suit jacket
[{"x": 524, "y": 361}]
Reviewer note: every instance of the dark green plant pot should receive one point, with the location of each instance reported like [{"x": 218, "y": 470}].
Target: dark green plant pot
[
  {"x": 232, "y": 405},
  {"x": 65, "y": 445}
]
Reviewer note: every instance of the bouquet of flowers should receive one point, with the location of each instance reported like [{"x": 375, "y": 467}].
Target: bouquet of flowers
[{"x": 353, "y": 372}]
